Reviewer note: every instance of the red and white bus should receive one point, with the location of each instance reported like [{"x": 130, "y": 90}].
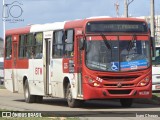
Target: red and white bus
[{"x": 93, "y": 58}]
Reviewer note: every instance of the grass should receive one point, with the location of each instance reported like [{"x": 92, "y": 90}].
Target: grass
[
  {"x": 42, "y": 118},
  {"x": 27, "y": 119}
]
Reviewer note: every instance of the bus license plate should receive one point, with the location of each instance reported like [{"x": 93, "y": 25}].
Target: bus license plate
[{"x": 157, "y": 86}]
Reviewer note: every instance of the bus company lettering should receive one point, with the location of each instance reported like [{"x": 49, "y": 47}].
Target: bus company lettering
[{"x": 38, "y": 71}]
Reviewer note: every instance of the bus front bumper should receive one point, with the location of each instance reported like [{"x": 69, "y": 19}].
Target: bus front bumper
[{"x": 108, "y": 93}]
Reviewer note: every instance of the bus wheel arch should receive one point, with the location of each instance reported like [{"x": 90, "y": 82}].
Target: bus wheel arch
[
  {"x": 65, "y": 84},
  {"x": 24, "y": 79},
  {"x": 72, "y": 102}
]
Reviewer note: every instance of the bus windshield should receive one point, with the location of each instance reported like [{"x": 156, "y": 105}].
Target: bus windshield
[{"x": 123, "y": 55}]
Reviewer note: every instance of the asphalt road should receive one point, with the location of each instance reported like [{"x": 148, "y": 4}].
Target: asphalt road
[{"x": 15, "y": 102}]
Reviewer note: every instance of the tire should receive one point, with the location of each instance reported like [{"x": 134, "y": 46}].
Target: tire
[
  {"x": 28, "y": 97},
  {"x": 71, "y": 101},
  {"x": 126, "y": 102}
]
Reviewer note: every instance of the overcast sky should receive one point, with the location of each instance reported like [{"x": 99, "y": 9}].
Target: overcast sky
[{"x": 47, "y": 11}]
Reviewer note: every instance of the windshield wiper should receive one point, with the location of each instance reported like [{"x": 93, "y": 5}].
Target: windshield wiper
[
  {"x": 106, "y": 41},
  {"x": 130, "y": 45}
]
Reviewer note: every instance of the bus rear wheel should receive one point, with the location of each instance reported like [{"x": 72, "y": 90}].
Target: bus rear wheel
[
  {"x": 28, "y": 97},
  {"x": 70, "y": 100},
  {"x": 126, "y": 102}
]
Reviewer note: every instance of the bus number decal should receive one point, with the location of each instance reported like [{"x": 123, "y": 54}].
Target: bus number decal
[
  {"x": 99, "y": 79},
  {"x": 38, "y": 71}
]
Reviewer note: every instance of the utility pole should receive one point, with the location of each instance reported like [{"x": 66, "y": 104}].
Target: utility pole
[
  {"x": 117, "y": 8},
  {"x": 152, "y": 27},
  {"x": 152, "y": 19},
  {"x": 126, "y": 5}
]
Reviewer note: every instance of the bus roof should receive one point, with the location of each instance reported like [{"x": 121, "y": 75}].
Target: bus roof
[
  {"x": 81, "y": 23},
  {"x": 23, "y": 30},
  {"x": 47, "y": 27},
  {"x": 65, "y": 24}
]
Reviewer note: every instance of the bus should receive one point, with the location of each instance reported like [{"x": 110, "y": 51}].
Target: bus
[
  {"x": 156, "y": 71},
  {"x": 80, "y": 60}
]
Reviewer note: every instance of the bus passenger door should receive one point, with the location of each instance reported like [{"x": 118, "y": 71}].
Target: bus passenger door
[
  {"x": 46, "y": 63},
  {"x": 14, "y": 65},
  {"x": 79, "y": 65}
]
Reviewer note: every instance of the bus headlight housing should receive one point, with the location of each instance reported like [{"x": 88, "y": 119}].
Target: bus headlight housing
[
  {"x": 93, "y": 82},
  {"x": 144, "y": 82}
]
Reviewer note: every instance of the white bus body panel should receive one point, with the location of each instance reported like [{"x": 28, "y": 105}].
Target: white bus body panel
[
  {"x": 57, "y": 77},
  {"x": 8, "y": 79},
  {"x": 156, "y": 78},
  {"x": 36, "y": 84}
]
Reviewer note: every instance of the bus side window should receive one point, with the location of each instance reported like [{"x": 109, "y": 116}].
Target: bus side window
[
  {"x": 29, "y": 46},
  {"x": 68, "y": 51},
  {"x": 38, "y": 45},
  {"x": 22, "y": 46},
  {"x": 57, "y": 44},
  {"x": 8, "y": 48}
]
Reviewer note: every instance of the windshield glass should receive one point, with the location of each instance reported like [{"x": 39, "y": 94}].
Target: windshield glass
[{"x": 123, "y": 55}]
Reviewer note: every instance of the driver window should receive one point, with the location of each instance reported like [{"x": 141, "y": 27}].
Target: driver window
[{"x": 68, "y": 51}]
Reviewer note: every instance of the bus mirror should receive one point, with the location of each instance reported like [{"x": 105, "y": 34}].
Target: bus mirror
[
  {"x": 153, "y": 46},
  {"x": 81, "y": 44}
]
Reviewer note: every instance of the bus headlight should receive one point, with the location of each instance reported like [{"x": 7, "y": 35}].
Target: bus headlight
[
  {"x": 94, "y": 83},
  {"x": 144, "y": 82}
]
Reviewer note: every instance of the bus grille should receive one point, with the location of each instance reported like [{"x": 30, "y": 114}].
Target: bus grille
[
  {"x": 111, "y": 78},
  {"x": 115, "y": 85},
  {"x": 119, "y": 91}
]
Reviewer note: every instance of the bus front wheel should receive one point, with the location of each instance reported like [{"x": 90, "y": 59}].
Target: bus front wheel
[
  {"x": 126, "y": 102},
  {"x": 70, "y": 100}
]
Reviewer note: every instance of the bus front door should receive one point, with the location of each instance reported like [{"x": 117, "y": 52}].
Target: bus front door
[{"x": 79, "y": 66}]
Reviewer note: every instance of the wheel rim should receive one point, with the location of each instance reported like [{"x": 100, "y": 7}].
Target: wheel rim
[
  {"x": 69, "y": 96},
  {"x": 26, "y": 93}
]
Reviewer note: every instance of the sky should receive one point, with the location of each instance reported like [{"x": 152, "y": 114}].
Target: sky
[{"x": 27, "y": 12}]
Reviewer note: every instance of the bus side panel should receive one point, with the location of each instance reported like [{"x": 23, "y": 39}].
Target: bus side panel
[
  {"x": 21, "y": 75},
  {"x": 155, "y": 78},
  {"x": 8, "y": 79},
  {"x": 36, "y": 83},
  {"x": 57, "y": 77}
]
